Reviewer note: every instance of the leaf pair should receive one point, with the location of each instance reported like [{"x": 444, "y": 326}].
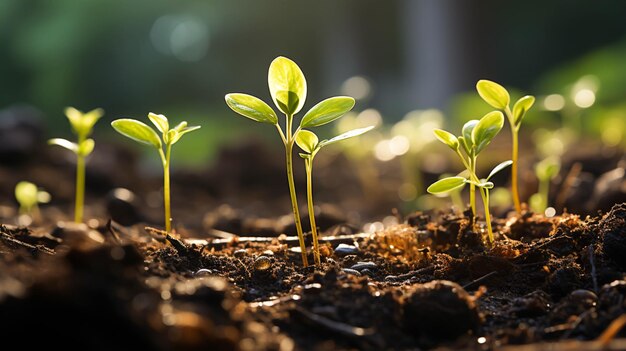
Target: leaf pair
[
  {"x": 288, "y": 90},
  {"x": 142, "y": 133},
  {"x": 28, "y": 196},
  {"x": 498, "y": 97},
  {"x": 476, "y": 134},
  {"x": 449, "y": 184},
  {"x": 310, "y": 144},
  {"x": 82, "y": 125}
]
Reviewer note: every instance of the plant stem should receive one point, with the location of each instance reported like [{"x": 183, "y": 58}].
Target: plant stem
[
  {"x": 292, "y": 190},
  {"x": 485, "y": 195},
  {"x": 80, "y": 189},
  {"x": 472, "y": 186},
  {"x": 309, "y": 195},
  {"x": 166, "y": 187},
  {"x": 544, "y": 188},
  {"x": 514, "y": 157}
]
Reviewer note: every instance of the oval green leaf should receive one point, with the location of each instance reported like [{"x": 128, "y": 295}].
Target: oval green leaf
[
  {"x": 548, "y": 168},
  {"x": 486, "y": 129},
  {"x": 521, "y": 107},
  {"x": 160, "y": 122},
  {"x": 446, "y": 185},
  {"x": 499, "y": 167},
  {"x": 26, "y": 194},
  {"x": 287, "y": 85},
  {"x": 138, "y": 131},
  {"x": 347, "y": 135},
  {"x": 327, "y": 111},
  {"x": 86, "y": 147},
  {"x": 493, "y": 93},
  {"x": 251, "y": 107},
  {"x": 90, "y": 119},
  {"x": 447, "y": 138},
  {"x": 467, "y": 143},
  {"x": 64, "y": 144},
  {"x": 307, "y": 141},
  {"x": 178, "y": 133}
]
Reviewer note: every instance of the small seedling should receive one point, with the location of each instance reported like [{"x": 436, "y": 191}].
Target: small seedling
[
  {"x": 142, "y": 133},
  {"x": 310, "y": 144},
  {"x": 476, "y": 135},
  {"x": 498, "y": 97},
  {"x": 288, "y": 89},
  {"x": 82, "y": 125},
  {"x": 546, "y": 170},
  {"x": 29, "y": 198}
]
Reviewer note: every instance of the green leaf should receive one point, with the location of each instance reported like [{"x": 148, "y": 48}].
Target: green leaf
[
  {"x": 485, "y": 184},
  {"x": 499, "y": 167},
  {"x": 90, "y": 118},
  {"x": 467, "y": 143},
  {"x": 447, "y": 138},
  {"x": 251, "y": 107},
  {"x": 82, "y": 123},
  {"x": 179, "y": 133},
  {"x": 180, "y": 126},
  {"x": 493, "y": 93},
  {"x": 327, "y": 111},
  {"x": 65, "y": 144},
  {"x": 86, "y": 147},
  {"x": 26, "y": 194},
  {"x": 486, "y": 129},
  {"x": 446, "y": 185},
  {"x": 307, "y": 141},
  {"x": 347, "y": 135},
  {"x": 548, "y": 168},
  {"x": 138, "y": 131},
  {"x": 160, "y": 122},
  {"x": 287, "y": 85},
  {"x": 521, "y": 107}
]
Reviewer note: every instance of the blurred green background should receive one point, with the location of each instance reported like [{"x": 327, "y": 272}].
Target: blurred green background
[{"x": 179, "y": 58}]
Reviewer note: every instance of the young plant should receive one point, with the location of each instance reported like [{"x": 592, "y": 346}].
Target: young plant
[
  {"x": 288, "y": 89},
  {"x": 545, "y": 170},
  {"x": 82, "y": 125},
  {"x": 498, "y": 97},
  {"x": 142, "y": 133},
  {"x": 477, "y": 134},
  {"x": 29, "y": 198},
  {"x": 310, "y": 144}
]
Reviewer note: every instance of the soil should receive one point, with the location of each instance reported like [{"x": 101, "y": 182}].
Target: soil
[{"x": 421, "y": 281}]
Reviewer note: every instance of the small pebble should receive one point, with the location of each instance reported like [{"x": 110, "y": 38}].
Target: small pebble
[
  {"x": 366, "y": 272},
  {"x": 362, "y": 265},
  {"x": 240, "y": 253},
  {"x": 582, "y": 295},
  {"x": 262, "y": 263},
  {"x": 391, "y": 278},
  {"x": 203, "y": 272},
  {"x": 268, "y": 253},
  {"x": 345, "y": 249},
  {"x": 351, "y": 271}
]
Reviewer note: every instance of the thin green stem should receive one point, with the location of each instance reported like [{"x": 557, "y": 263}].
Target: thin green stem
[
  {"x": 485, "y": 195},
  {"x": 514, "y": 157},
  {"x": 292, "y": 189},
  {"x": 166, "y": 186},
  {"x": 544, "y": 188},
  {"x": 80, "y": 189},
  {"x": 472, "y": 186},
  {"x": 308, "y": 163}
]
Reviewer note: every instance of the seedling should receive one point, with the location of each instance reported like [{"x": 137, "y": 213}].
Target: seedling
[
  {"x": 288, "y": 90},
  {"x": 142, "y": 133},
  {"x": 29, "y": 198},
  {"x": 310, "y": 144},
  {"x": 498, "y": 97},
  {"x": 545, "y": 170},
  {"x": 82, "y": 125},
  {"x": 476, "y": 135}
]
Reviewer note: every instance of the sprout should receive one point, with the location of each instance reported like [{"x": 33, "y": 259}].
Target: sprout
[
  {"x": 82, "y": 125},
  {"x": 29, "y": 197},
  {"x": 288, "y": 90},
  {"x": 498, "y": 97},
  {"x": 310, "y": 144},
  {"x": 142, "y": 133},
  {"x": 546, "y": 170},
  {"x": 476, "y": 135}
]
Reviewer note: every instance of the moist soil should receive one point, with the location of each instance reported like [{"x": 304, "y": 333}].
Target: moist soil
[{"x": 428, "y": 282}]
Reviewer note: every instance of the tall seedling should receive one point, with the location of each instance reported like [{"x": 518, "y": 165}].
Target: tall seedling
[
  {"x": 498, "y": 97},
  {"x": 288, "y": 89},
  {"x": 140, "y": 132},
  {"x": 82, "y": 125}
]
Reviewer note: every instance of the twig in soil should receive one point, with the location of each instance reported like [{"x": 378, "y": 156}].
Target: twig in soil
[
  {"x": 593, "y": 269},
  {"x": 178, "y": 244},
  {"x": 478, "y": 280},
  {"x": 113, "y": 232},
  {"x": 611, "y": 331},
  {"x": 9, "y": 238},
  {"x": 575, "y": 324},
  {"x": 290, "y": 240},
  {"x": 332, "y": 325}
]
